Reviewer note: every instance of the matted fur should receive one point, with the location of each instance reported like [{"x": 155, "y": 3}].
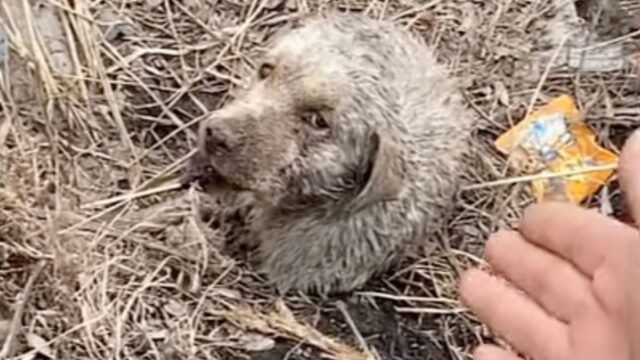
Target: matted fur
[{"x": 339, "y": 202}]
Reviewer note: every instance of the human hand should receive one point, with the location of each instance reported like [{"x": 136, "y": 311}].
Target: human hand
[{"x": 572, "y": 289}]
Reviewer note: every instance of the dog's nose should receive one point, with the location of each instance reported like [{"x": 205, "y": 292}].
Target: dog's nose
[{"x": 217, "y": 138}]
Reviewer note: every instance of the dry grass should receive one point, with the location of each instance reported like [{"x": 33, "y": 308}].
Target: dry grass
[{"x": 137, "y": 276}]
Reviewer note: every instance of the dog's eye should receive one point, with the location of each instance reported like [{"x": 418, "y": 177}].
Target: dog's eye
[
  {"x": 315, "y": 120},
  {"x": 265, "y": 69}
]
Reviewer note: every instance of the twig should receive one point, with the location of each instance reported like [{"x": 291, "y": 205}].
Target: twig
[
  {"x": 138, "y": 53},
  {"x": 542, "y": 176},
  {"x": 134, "y": 195},
  {"x": 405, "y": 298},
  {"x": 14, "y": 329},
  {"x": 343, "y": 309},
  {"x": 141, "y": 193},
  {"x": 408, "y": 310},
  {"x": 415, "y": 10},
  {"x": 546, "y": 73},
  {"x": 611, "y": 42},
  {"x": 282, "y": 323}
]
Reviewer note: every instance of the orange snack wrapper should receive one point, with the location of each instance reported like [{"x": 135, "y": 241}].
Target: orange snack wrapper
[{"x": 555, "y": 139}]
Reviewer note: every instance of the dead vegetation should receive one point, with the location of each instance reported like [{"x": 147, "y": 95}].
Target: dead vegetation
[{"x": 103, "y": 104}]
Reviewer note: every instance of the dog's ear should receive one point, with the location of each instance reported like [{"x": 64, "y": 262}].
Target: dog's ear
[
  {"x": 298, "y": 20},
  {"x": 385, "y": 173}
]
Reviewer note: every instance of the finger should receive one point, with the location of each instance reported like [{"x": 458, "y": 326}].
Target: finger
[
  {"x": 578, "y": 235},
  {"x": 553, "y": 283},
  {"x": 597, "y": 335},
  {"x": 630, "y": 173},
  {"x": 520, "y": 321},
  {"x": 630, "y": 181},
  {"x": 492, "y": 352},
  {"x": 617, "y": 298}
]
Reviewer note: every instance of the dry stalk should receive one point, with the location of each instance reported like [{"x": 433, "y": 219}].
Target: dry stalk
[
  {"x": 283, "y": 323},
  {"x": 134, "y": 195},
  {"x": 352, "y": 325},
  {"x": 133, "y": 102},
  {"x": 542, "y": 176},
  {"x": 16, "y": 321}
]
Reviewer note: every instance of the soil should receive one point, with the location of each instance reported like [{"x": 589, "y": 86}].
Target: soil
[
  {"x": 607, "y": 18},
  {"x": 393, "y": 336},
  {"x": 289, "y": 350},
  {"x": 171, "y": 62}
]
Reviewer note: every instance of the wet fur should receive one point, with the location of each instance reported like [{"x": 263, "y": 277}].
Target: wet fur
[{"x": 334, "y": 209}]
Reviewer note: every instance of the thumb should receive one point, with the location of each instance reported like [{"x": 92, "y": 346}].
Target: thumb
[{"x": 629, "y": 174}]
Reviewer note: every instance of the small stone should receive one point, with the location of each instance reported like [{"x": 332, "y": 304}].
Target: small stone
[
  {"x": 153, "y": 3},
  {"x": 175, "y": 308},
  {"x": 272, "y": 4},
  {"x": 291, "y": 5},
  {"x": 257, "y": 342}
]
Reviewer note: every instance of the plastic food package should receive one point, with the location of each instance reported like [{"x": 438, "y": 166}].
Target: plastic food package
[{"x": 555, "y": 139}]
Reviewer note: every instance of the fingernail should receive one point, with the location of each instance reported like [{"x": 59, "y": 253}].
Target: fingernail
[
  {"x": 492, "y": 352},
  {"x": 482, "y": 352}
]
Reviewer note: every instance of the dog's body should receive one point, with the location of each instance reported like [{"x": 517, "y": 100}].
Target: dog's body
[{"x": 351, "y": 140}]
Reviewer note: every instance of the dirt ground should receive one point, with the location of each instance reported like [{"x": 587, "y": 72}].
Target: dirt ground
[{"x": 101, "y": 100}]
